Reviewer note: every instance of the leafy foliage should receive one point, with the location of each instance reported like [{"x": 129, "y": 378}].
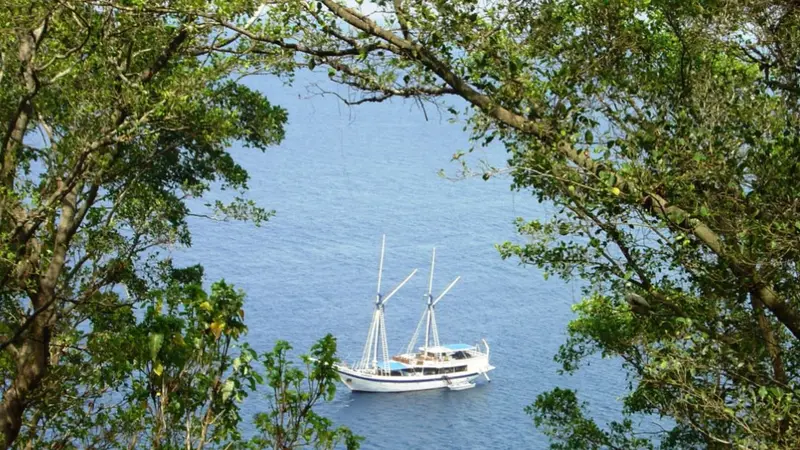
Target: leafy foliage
[
  {"x": 175, "y": 377},
  {"x": 665, "y": 132},
  {"x": 115, "y": 114},
  {"x": 561, "y": 417},
  {"x": 291, "y": 421}
]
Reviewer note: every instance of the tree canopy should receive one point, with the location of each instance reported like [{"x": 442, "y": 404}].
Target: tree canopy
[
  {"x": 115, "y": 114},
  {"x": 666, "y": 132}
]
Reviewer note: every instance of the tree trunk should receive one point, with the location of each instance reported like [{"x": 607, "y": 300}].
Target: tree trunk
[
  {"x": 32, "y": 358},
  {"x": 12, "y": 138},
  {"x": 31, "y": 362}
]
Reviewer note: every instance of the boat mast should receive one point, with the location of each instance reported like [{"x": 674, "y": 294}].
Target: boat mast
[
  {"x": 433, "y": 310},
  {"x": 368, "y": 352},
  {"x": 377, "y": 329},
  {"x": 380, "y": 270},
  {"x": 429, "y": 316},
  {"x": 429, "y": 301},
  {"x": 379, "y": 310}
]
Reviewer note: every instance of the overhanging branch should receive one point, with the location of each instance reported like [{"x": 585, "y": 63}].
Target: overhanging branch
[{"x": 541, "y": 130}]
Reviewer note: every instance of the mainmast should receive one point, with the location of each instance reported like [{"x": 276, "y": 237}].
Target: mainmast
[{"x": 429, "y": 316}]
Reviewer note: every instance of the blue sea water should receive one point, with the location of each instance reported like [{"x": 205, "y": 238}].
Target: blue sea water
[{"x": 342, "y": 178}]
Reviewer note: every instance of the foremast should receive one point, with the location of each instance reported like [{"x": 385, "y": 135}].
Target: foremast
[{"x": 376, "y": 338}]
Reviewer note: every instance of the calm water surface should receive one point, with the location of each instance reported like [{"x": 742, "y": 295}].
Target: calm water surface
[{"x": 343, "y": 177}]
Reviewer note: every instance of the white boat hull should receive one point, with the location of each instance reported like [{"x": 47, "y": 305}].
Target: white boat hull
[
  {"x": 434, "y": 366},
  {"x": 359, "y": 381}
]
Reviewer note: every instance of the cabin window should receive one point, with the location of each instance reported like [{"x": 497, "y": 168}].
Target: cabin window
[{"x": 443, "y": 370}]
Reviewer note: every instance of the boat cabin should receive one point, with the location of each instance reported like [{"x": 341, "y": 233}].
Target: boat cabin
[
  {"x": 456, "y": 351},
  {"x": 398, "y": 369},
  {"x": 441, "y": 359}
]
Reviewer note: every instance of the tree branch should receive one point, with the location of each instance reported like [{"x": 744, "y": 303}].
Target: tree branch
[{"x": 652, "y": 202}]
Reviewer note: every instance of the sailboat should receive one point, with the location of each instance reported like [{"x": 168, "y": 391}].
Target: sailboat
[{"x": 431, "y": 366}]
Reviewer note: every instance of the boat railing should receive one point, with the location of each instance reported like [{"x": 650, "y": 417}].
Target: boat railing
[{"x": 481, "y": 352}]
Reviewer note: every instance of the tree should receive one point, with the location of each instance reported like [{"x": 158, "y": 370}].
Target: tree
[
  {"x": 666, "y": 132},
  {"x": 174, "y": 376},
  {"x": 114, "y": 114},
  {"x": 292, "y": 422}
]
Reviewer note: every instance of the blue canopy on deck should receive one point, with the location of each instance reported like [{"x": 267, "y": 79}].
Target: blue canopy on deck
[
  {"x": 458, "y": 346},
  {"x": 395, "y": 365}
]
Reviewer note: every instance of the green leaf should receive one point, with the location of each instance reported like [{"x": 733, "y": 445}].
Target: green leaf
[
  {"x": 156, "y": 340},
  {"x": 227, "y": 389},
  {"x": 762, "y": 392}
]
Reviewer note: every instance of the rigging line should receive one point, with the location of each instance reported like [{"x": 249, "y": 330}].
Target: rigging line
[
  {"x": 413, "y": 342},
  {"x": 435, "y": 329},
  {"x": 377, "y": 339},
  {"x": 365, "y": 355},
  {"x": 385, "y": 346},
  {"x": 427, "y": 327}
]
